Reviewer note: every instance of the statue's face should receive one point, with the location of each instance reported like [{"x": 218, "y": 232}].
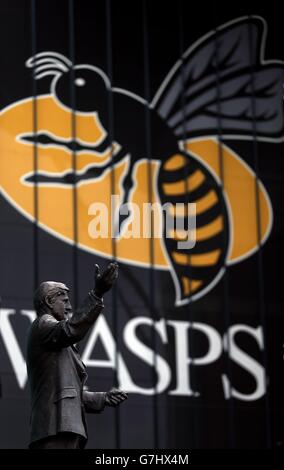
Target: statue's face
[{"x": 61, "y": 306}]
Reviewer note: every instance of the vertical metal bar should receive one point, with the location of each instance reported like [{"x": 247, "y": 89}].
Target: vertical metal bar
[
  {"x": 194, "y": 421},
  {"x": 1, "y": 373},
  {"x": 73, "y": 144},
  {"x": 148, "y": 145},
  {"x": 226, "y": 312},
  {"x": 260, "y": 271},
  {"x": 112, "y": 173},
  {"x": 35, "y": 146}
]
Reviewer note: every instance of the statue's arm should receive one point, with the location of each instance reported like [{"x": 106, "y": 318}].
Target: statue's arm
[{"x": 94, "y": 402}]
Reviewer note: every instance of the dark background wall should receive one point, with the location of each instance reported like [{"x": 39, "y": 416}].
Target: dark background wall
[{"x": 125, "y": 39}]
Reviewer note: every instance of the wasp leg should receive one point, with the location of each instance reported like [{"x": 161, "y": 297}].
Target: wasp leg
[
  {"x": 125, "y": 211},
  {"x": 72, "y": 177},
  {"x": 97, "y": 171}
]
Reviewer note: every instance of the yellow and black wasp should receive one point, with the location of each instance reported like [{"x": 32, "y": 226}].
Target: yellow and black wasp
[{"x": 221, "y": 85}]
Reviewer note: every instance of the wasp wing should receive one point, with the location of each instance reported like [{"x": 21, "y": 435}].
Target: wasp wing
[{"x": 223, "y": 85}]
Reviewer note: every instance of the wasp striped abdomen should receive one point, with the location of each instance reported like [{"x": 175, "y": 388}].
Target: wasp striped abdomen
[{"x": 183, "y": 180}]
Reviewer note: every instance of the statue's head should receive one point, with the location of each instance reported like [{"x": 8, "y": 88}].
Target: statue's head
[{"x": 52, "y": 297}]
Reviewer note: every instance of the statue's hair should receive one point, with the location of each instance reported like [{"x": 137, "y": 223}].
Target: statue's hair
[{"x": 50, "y": 289}]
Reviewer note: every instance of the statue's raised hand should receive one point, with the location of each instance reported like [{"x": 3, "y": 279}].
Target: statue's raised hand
[{"x": 105, "y": 281}]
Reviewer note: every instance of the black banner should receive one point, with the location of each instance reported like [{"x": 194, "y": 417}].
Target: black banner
[{"x": 148, "y": 106}]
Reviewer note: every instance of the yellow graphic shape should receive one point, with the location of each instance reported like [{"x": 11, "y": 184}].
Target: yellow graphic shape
[
  {"x": 208, "y": 231},
  {"x": 180, "y": 187},
  {"x": 206, "y": 259},
  {"x": 176, "y": 162},
  {"x": 190, "y": 285},
  {"x": 201, "y": 205}
]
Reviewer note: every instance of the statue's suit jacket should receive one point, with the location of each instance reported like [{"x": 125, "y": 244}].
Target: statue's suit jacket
[{"x": 57, "y": 374}]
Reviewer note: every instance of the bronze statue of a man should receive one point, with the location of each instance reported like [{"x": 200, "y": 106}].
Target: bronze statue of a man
[{"x": 55, "y": 370}]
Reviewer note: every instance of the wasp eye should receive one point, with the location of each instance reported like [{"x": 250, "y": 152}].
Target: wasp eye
[
  {"x": 80, "y": 82},
  {"x": 89, "y": 87}
]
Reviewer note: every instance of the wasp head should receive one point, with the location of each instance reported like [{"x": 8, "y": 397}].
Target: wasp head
[{"x": 81, "y": 87}]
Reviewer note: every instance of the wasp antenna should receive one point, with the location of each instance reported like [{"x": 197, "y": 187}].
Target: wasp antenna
[
  {"x": 54, "y": 68},
  {"x": 48, "y": 63},
  {"x": 53, "y": 72},
  {"x": 51, "y": 56}
]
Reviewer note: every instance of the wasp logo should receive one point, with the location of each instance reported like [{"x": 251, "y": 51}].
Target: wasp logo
[{"x": 197, "y": 101}]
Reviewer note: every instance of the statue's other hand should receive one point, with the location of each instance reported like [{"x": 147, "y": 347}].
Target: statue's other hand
[
  {"x": 105, "y": 281},
  {"x": 114, "y": 397}
]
